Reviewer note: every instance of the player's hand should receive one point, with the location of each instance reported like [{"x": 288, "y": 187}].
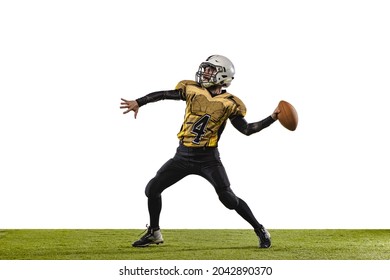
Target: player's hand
[
  {"x": 130, "y": 105},
  {"x": 275, "y": 113}
]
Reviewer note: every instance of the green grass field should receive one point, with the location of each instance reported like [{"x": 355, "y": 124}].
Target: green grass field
[{"x": 206, "y": 244}]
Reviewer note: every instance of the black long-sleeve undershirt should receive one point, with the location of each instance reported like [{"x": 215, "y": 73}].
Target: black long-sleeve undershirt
[
  {"x": 175, "y": 94},
  {"x": 238, "y": 122},
  {"x": 241, "y": 124}
]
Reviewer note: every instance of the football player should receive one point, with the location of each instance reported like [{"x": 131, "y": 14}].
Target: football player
[{"x": 208, "y": 107}]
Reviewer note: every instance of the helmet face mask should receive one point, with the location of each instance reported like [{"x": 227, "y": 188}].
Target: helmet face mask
[{"x": 217, "y": 70}]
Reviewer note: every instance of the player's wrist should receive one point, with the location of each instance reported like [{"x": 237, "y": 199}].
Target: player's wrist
[{"x": 141, "y": 101}]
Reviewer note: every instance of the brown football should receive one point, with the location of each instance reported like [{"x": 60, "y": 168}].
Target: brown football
[{"x": 288, "y": 116}]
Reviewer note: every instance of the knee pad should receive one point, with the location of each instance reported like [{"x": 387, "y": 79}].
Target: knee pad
[
  {"x": 150, "y": 190},
  {"x": 229, "y": 199}
]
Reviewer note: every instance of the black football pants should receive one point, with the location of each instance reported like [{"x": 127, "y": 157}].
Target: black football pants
[{"x": 204, "y": 162}]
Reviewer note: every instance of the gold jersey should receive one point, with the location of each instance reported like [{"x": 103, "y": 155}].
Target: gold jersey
[{"x": 206, "y": 115}]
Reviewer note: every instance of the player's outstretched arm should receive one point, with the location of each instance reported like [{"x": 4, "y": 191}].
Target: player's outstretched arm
[
  {"x": 129, "y": 105},
  {"x": 134, "y": 105}
]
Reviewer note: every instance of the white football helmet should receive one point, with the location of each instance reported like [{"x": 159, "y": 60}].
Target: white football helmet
[{"x": 222, "y": 76}]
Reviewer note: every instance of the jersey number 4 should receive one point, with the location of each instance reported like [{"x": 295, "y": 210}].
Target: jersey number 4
[{"x": 199, "y": 128}]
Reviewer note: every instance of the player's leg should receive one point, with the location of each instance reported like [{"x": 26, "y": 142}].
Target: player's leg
[
  {"x": 215, "y": 173},
  {"x": 166, "y": 176},
  {"x": 217, "y": 176},
  {"x": 170, "y": 173},
  {"x": 244, "y": 211}
]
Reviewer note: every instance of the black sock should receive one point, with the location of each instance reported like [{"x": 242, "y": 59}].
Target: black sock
[
  {"x": 154, "y": 206},
  {"x": 244, "y": 211}
]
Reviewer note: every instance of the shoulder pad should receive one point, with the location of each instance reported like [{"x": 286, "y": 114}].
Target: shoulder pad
[{"x": 240, "y": 106}]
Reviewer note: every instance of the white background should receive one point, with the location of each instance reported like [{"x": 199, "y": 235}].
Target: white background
[{"x": 69, "y": 158}]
